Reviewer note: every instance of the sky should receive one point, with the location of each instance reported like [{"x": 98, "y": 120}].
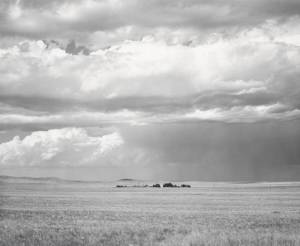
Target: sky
[{"x": 150, "y": 89}]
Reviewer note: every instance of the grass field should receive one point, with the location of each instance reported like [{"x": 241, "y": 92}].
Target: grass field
[{"x": 55, "y": 212}]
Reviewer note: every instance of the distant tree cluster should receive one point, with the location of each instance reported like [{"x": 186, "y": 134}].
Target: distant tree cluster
[
  {"x": 176, "y": 186},
  {"x": 165, "y": 185},
  {"x": 121, "y": 186}
]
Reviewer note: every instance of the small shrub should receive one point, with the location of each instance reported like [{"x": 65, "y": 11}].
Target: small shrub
[
  {"x": 169, "y": 185},
  {"x": 185, "y": 186}
]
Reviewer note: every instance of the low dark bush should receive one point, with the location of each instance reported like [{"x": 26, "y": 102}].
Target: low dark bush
[
  {"x": 169, "y": 185},
  {"x": 185, "y": 186},
  {"x": 156, "y": 185}
]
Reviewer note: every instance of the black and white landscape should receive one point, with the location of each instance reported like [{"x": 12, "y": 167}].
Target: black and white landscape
[{"x": 150, "y": 122}]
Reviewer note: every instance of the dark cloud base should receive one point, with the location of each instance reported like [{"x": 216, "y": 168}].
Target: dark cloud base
[{"x": 213, "y": 15}]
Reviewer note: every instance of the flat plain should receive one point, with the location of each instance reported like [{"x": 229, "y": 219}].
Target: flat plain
[{"x": 57, "y": 212}]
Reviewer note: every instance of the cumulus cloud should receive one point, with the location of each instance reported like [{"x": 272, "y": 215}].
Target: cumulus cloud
[
  {"x": 61, "y": 147},
  {"x": 171, "y": 75},
  {"x": 151, "y": 81}
]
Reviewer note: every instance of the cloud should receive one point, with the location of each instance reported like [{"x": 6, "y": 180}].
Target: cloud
[
  {"x": 177, "y": 73},
  {"x": 61, "y": 147},
  {"x": 140, "y": 82},
  {"x": 83, "y": 17},
  {"x": 245, "y": 113}
]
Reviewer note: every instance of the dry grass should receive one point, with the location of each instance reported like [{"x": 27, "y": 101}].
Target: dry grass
[{"x": 94, "y": 214}]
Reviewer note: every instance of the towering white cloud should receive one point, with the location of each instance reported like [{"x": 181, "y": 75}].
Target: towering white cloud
[{"x": 60, "y": 147}]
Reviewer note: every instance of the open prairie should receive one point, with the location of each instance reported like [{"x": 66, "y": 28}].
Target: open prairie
[{"x": 56, "y": 212}]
